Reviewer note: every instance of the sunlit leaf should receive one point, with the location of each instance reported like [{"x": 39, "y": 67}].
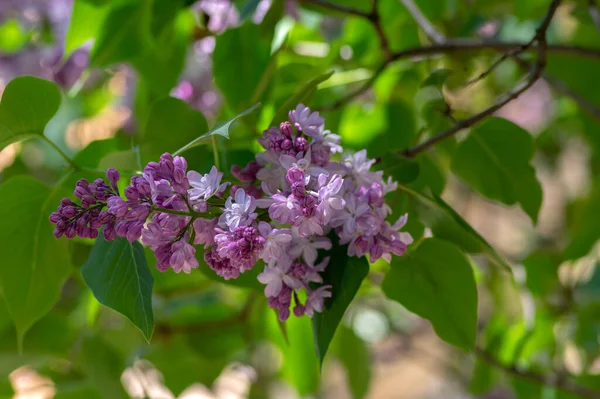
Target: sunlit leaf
[
  {"x": 495, "y": 160},
  {"x": 35, "y": 264},
  {"x": 27, "y": 105}
]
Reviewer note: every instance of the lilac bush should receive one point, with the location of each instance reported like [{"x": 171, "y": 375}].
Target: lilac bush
[{"x": 282, "y": 208}]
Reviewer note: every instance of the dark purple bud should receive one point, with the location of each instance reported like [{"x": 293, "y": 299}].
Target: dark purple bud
[
  {"x": 138, "y": 212},
  {"x": 71, "y": 231},
  {"x": 82, "y": 183},
  {"x": 68, "y": 212},
  {"x": 180, "y": 163},
  {"x": 117, "y": 207},
  {"x": 134, "y": 231},
  {"x": 310, "y": 201},
  {"x": 109, "y": 232},
  {"x": 113, "y": 177},
  {"x": 300, "y": 144},
  {"x": 284, "y": 314},
  {"x": 58, "y": 233},
  {"x": 93, "y": 233},
  {"x": 286, "y": 144},
  {"x": 66, "y": 202},
  {"x": 294, "y": 175},
  {"x": 80, "y": 192},
  {"x": 55, "y": 217},
  {"x": 299, "y": 189},
  {"x": 131, "y": 193},
  {"x": 298, "y": 310},
  {"x": 286, "y": 129}
]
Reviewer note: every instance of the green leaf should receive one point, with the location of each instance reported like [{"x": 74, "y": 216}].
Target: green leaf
[
  {"x": 354, "y": 355},
  {"x": 238, "y": 80},
  {"x": 27, "y": 105},
  {"x": 248, "y": 9},
  {"x": 585, "y": 232},
  {"x": 125, "y": 33},
  {"x": 542, "y": 274},
  {"x": 301, "y": 365},
  {"x": 447, "y": 224},
  {"x": 430, "y": 175},
  {"x": 437, "y": 78},
  {"x": 172, "y": 124},
  {"x": 221, "y": 130},
  {"x": 495, "y": 160},
  {"x": 85, "y": 24},
  {"x": 35, "y": 264},
  {"x": 118, "y": 275},
  {"x": 400, "y": 168},
  {"x": 302, "y": 96},
  {"x": 436, "y": 282},
  {"x": 103, "y": 366},
  {"x": 125, "y": 160},
  {"x": 344, "y": 274}
]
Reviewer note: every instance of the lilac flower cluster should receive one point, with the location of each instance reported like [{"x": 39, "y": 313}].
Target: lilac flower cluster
[{"x": 282, "y": 210}]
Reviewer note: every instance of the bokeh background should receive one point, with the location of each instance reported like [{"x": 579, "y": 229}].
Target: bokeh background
[{"x": 204, "y": 344}]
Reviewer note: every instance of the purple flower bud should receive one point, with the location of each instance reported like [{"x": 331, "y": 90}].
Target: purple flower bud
[
  {"x": 68, "y": 212},
  {"x": 71, "y": 231},
  {"x": 298, "y": 310},
  {"x": 286, "y": 144},
  {"x": 58, "y": 233},
  {"x": 82, "y": 183},
  {"x": 294, "y": 175},
  {"x": 131, "y": 193},
  {"x": 117, "y": 207},
  {"x": 113, "y": 177},
  {"x": 299, "y": 189},
  {"x": 80, "y": 192},
  {"x": 109, "y": 232},
  {"x": 284, "y": 314},
  {"x": 55, "y": 217},
  {"x": 93, "y": 233},
  {"x": 286, "y": 129},
  {"x": 66, "y": 202},
  {"x": 138, "y": 212},
  {"x": 300, "y": 144}
]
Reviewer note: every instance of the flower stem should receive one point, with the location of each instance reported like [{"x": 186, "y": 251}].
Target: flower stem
[
  {"x": 61, "y": 153},
  {"x": 213, "y": 139},
  {"x": 181, "y": 213}
]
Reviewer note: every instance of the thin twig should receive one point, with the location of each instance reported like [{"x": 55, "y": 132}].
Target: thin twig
[
  {"x": 535, "y": 74},
  {"x": 375, "y": 19},
  {"x": 594, "y": 12},
  {"x": 430, "y": 31},
  {"x": 512, "y": 53},
  {"x": 338, "y": 7},
  {"x": 469, "y": 45},
  {"x": 561, "y": 87},
  {"x": 550, "y": 380},
  {"x": 61, "y": 152}
]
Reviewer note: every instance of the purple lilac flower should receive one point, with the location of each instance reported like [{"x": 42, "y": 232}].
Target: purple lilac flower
[
  {"x": 205, "y": 186},
  {"x": 306, "y": 194},
  {"x": 309, "y": 123}
]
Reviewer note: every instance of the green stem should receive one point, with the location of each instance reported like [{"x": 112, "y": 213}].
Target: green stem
[
  {"x": 213, "y": 139},
  {"x": 61, "y": 152},
  {"x": 181, "y": 213}
]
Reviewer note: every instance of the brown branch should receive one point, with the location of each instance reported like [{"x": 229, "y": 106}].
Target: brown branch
[
  {"x": 549, "y": 380},
  {"x": 469, "y": 45},
  {"x": 338, "y": 7},
  {"x": 535, "y": 74},
  {"x": 375, "y": 19},
  {"x": 561, "y": 87},
  {"x": 430, "y": 31}
]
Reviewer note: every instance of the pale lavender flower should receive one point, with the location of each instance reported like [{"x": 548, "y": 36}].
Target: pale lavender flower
[
  {"x": 302, "y": 161},
  {"x": 284, "y": 209},
  {"x": 205, "y": 231},
  {"x": 359, "y": 167},
  {"x": 328, "y": 198},
  {"x": 183, "y": 257},
  {"x": 240, "y": 213},
  {"x": 306, "y": 121},
  {"x": 275, "y": 277},
  {"x": 277, "y": 242},
  {"x": 355, "y": 207},
  {"x": 154, "y": 236},
  {"x": 316, "y": 300},
  {"x": 307, "y": 225},
  {"x": 205, "y": 186},
  {"x": 308, "y": 247}
]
